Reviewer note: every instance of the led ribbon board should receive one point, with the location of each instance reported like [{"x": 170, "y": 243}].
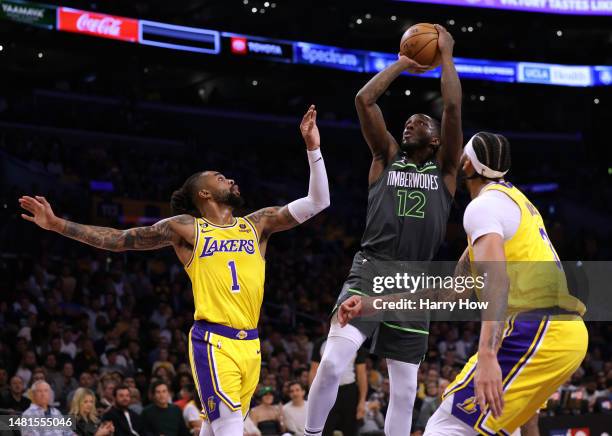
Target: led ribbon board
[
  {"x": 568, "y": 7},
  {"x": 295, "y": 52}
]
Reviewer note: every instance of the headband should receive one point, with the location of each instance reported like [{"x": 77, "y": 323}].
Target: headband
[{"x": 481, "y": 168}]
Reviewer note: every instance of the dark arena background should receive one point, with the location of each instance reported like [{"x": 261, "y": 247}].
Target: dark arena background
[{"x": 106, "y": 115}]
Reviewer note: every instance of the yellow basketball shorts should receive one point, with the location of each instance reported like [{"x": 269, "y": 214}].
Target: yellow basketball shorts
[
  {"x": 536, "y": 357},
  {"x": 225, "y": 363}
]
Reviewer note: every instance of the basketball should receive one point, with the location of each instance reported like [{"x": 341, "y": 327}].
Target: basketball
[{"x": 420, "y": 43}]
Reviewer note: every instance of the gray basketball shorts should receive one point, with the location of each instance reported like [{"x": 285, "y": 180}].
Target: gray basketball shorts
[{"x": 405, "y": 341}]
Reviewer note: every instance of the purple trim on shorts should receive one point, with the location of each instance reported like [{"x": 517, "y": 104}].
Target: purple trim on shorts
[
  {"x": 513, "y": 348},
  {"x": 208, "y": 396}
]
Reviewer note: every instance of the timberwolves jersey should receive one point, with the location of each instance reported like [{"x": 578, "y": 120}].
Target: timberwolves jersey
[
  {"x": 227, "y": 274},
  {"x": 408, "y": 208}
]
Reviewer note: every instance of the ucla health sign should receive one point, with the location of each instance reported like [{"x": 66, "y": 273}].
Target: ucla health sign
[
  {"x": 550, "y": 74},
  {"x": 571, "y": 7}
]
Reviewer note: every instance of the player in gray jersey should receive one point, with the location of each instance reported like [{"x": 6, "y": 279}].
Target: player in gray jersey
[{"x": 411, "y": 186}]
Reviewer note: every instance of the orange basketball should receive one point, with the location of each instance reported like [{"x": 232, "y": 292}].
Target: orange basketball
[{"x": 420, "y": 43}]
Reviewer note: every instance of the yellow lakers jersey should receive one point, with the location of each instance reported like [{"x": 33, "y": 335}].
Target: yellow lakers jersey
[
  {"x": 537, "y": 280},
  {"x": 227, "y": 273}
]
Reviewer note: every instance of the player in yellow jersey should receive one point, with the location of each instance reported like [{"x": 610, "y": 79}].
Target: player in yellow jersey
[
  {"x": 533, "y": 337},
  {"x": 224, "y": 258}
]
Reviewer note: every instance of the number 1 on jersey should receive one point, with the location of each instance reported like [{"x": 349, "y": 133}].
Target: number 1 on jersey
[{"x": 235, "y": 285}]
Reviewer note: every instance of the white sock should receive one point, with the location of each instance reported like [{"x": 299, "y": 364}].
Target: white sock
[
  {"x": 229, "y": 423},
  {"x": 403, "y": 383},
  {"x": 339, "y": 352}
]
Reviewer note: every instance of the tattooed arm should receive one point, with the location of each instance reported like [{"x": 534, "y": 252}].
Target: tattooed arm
[
  {"x": 490, "y": 261},
  {"x": 272, "y": 219},
  {"x": 176, "y": 231}
]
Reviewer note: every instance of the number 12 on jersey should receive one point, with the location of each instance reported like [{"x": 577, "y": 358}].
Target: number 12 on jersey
[
  {"x": 411, "y": 203},
  {"x": 235, "y": 285}
]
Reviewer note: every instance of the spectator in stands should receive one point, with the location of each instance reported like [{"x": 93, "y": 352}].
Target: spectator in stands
[
  {"x": 433, "y": 399},
  {"x": 604, "y": 402},
  {"x": 86, "y": 381},
  {"x": 106, "y": 391},
  {"x": 53, "y": 375},
  {"x": 13, "y": 399},
  {"x": 40, "y": 408},
  {"x": 125, "y": 421},
  {"x": 267, "y": 416},
  {"x": 86, "y": 357},
  {"x": 113, "y": 361},
  {"x": 27, "y": 365},
  {"x": 40, "y": 374},
  {"x": 84, "y": 410},
  {"x": 163, "y": 417},
  {"x": 66, "y": 384},
  {"x": 68, "y": 346},
  {"x": 294, "y": 412},
  {"x": 135, "y": 401},
  {"x": 192, "y": 408}
]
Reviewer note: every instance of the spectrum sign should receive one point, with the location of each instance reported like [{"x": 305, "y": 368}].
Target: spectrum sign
[
  {"x": 569, "y": 7},
  {"x": 101, "y": 25}
]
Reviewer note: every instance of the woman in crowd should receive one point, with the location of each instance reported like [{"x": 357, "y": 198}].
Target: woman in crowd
[
  {"x": 87, "y": 422},
  {"x": 267, "y": 416}
]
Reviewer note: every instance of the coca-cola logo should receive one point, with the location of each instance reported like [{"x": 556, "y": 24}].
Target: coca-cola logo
[{"x": 103, "y": 26}]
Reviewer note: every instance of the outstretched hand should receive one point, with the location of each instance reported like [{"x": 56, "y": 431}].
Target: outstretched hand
[
  {"x": 411, "y": 65},
  {"x": 350, "y": 309},
  {"x": 309, "y": 129},
  {"x": 42, "y": 214}
]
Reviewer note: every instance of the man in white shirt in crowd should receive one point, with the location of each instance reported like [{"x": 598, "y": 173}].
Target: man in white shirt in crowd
[
  {"x": 40, "y": 393},
  {"x": 294, "y": 412}
]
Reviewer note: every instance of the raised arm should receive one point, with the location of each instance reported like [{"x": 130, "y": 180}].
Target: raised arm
[
  {"x": 177, "y": 231},
  {"x": 276, "y": 219},
  {"x": 452, "y": 133},
  {"x": 382, "y": 144}
]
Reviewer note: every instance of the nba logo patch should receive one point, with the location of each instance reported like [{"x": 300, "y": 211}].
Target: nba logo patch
[
  {"x": 211, "y": 404},
  {"x": 468, "y": 406}
]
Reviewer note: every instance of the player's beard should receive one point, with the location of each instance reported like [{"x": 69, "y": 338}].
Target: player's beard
[
  {"x": 462, "y": 180},
  {"x": 411, "y": 147},
  {"x": 231, "y": 199}
]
